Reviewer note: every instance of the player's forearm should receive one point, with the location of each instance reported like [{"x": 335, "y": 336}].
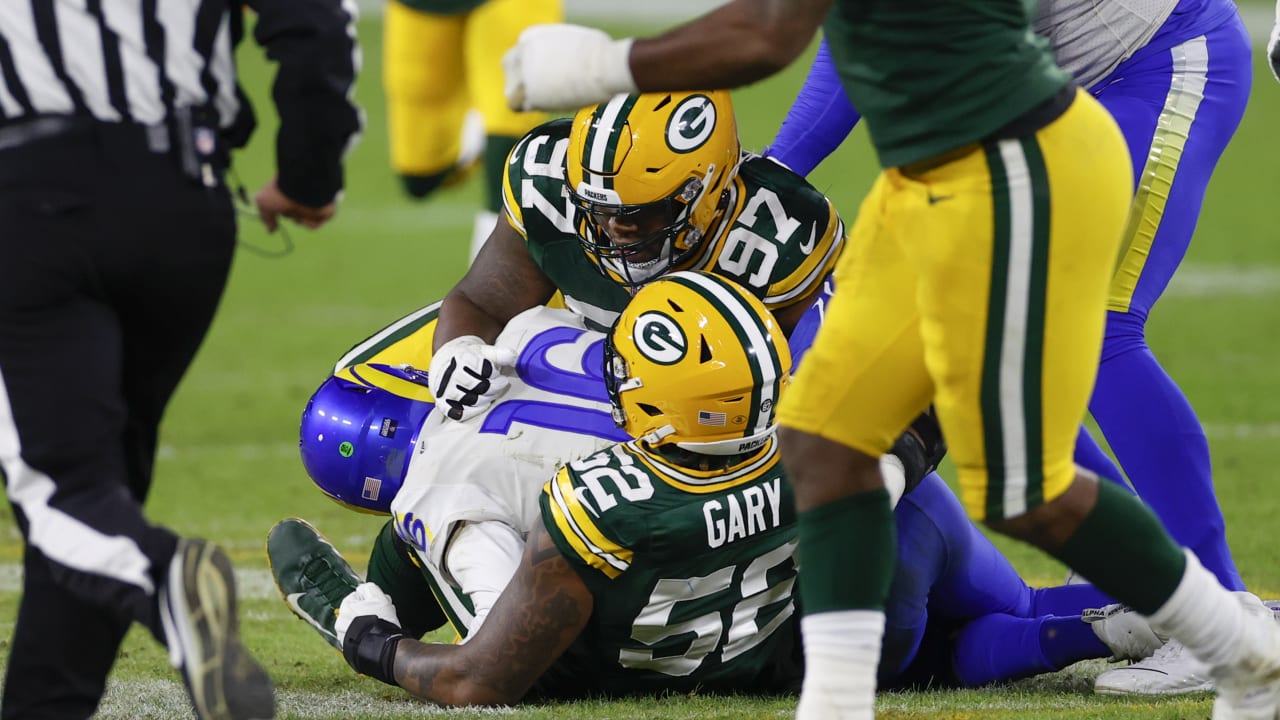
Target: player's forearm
[
  {"x": 450, "y": 675},
  {"x": 737, "y": 44},
  {"x": 818, "y": 121},
  {"x": 539, "y": 614},
  {"x": 461, "y": 314},
  {"x": 503, "y": 282}
]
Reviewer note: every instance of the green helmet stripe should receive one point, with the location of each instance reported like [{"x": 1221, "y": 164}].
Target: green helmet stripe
[
  {"x": 766, "y": 367},
  {"x": 600, "y": 149}
]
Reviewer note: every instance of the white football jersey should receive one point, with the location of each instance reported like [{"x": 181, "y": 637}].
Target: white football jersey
[
  {"x": 1090, "y": 38},
  {"x": 493, "y": 466}
]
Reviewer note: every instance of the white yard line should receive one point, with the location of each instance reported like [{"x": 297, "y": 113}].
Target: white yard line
[
  {"x": 1199, "y": 280},
  {"x": 133, "y": 699}
]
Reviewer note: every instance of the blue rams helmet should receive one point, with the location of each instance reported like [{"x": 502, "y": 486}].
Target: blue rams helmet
[{"x": 359, "y": 430}]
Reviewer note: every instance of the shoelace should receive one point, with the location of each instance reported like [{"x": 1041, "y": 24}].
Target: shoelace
[
  {"x": 333, "y": 584},
  {"x": 1171, "y": 650}
]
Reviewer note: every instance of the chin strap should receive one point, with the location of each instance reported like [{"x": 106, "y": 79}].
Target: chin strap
[
  {"x": 656, "y": 436},
  {"x": 370, "y": 647}
]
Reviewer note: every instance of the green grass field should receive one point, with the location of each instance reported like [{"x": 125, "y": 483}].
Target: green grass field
[{"x": 229, "y": 469}]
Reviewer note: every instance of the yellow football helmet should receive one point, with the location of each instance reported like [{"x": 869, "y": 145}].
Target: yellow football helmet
[
  {"x": 658, "y": 163},
  {"x": 697, "y": 360}
]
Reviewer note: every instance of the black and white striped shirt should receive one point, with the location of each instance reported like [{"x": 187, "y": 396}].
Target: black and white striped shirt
[{"x": 134, "y": 61}]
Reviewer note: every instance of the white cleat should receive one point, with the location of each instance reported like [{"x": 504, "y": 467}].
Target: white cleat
[
  {"x": 1126, "y": 633},
  {"x": 1250, "y": 689},
  {"x": 1171, "y": 670}
]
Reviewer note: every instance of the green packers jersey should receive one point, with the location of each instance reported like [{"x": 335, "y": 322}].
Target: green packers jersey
[
  {"x": 930, "y": 76},
  {"x": 692, "y": 572},
  {"x": 779, "y": 238}
]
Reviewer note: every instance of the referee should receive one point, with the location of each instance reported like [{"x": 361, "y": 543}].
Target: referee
[{"x": 116, "y": 238}]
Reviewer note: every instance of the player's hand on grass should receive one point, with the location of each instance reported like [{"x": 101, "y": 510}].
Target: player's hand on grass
[
  {"x": 366, "y": 599},
  {"x": 369, "y": 631}
]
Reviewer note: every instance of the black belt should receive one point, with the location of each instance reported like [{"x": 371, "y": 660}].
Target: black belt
[
  {"x": 191, "y": 138},
  {"x": 22, "y": 132}
]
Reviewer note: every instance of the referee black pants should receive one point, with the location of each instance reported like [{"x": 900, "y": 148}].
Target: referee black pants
[{"x": 112, "y": 264}]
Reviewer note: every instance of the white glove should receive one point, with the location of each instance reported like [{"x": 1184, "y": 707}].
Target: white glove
[
  {"x": 895, "y": 477},
  {"x": 1273, "y": 45},
  {"x": 465, "y": 376},
  {"x": 366, "y": 599},
  {"x": 565, "y": 67}
]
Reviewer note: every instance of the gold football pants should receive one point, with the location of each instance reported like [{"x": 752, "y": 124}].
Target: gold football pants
[{"x": 978, "y": 285}]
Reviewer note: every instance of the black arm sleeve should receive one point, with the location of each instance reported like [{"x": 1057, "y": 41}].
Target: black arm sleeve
[{"x": 314, "y": 43}]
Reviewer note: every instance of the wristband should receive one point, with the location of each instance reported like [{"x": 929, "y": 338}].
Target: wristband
[{"x": 370, "y": 647}]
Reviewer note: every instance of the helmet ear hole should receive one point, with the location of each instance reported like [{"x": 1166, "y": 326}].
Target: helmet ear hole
[
  {"x": 649, "y": 409},
  {"x": 704, "y": 355}
]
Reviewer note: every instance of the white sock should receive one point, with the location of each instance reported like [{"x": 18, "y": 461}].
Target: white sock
[
  {"x": 841, "y": 654},
  {"x": 484, "y": 223},
  {"x": 1205, "y": 617}
]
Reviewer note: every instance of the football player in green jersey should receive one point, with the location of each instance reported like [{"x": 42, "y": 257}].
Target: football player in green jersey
[
  {"x": 597, "y": 205},
  {"x": 976, "y": 280},
  {"x": 686, "y": 531},
  {"x": 640, "y": 521}
]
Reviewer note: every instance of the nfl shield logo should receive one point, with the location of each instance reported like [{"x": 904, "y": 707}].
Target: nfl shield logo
[{"x": 205, "y": 141}]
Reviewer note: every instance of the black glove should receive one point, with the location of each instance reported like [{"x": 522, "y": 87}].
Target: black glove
[
  {"x": 920, "y": 448},
  {"x": 370, "y": 647}
]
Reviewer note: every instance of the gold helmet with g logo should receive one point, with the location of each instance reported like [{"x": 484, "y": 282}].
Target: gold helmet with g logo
[
  {"x": 659, "y": 162},
  {"x": 697, "y": 360}
]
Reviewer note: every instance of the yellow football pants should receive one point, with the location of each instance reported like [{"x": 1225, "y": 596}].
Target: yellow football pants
[
  {"x": 978, "y": 285},
  {"x": 436, "y": 67}
]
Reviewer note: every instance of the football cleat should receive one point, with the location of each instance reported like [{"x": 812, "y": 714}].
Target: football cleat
[
  {"x": 311, "y": 575},
  {"x": 1171, "y": 670},
  {"x": 1250, "y": 689},
  {"x": 1126, "y": 633},
  {"x": 1174, "y": 670},
  {"x": 201, "y": 629}
]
